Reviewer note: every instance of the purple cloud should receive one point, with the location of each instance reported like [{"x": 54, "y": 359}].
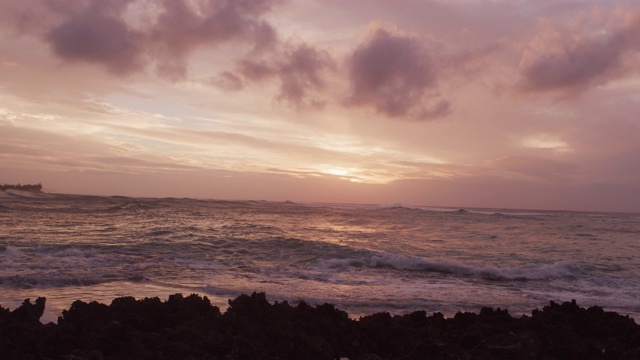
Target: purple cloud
[
  {"x": 396, "y": 75},
  {"x": 301, "y": 73},
  {"x": 94, "y": 37},
  {"x": 181, "y": 28},
  {"x": 100, "y": 32},
  {"x": 571, "y": 60},
  {"x": 300, "y": 69}
]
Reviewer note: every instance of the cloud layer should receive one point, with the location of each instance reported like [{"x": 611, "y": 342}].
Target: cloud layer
[
  {"x": 390, "y": 72},
  {"x": 394, "y": 73},
  {"x": 125, "y": 35},
  {"x": 329, "y": 90}
]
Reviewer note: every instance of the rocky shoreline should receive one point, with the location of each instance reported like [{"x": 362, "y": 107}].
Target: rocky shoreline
[{"x": 252, "y": 328}]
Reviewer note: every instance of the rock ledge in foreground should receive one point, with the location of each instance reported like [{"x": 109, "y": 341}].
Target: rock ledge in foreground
[{"x": 252, "y": 328}]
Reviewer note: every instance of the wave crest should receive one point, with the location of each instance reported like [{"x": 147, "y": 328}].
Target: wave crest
[{"x": 560, "y": 269}]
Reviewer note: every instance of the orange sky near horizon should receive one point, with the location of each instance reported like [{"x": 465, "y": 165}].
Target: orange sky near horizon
[{"x": 463, "y": 103}]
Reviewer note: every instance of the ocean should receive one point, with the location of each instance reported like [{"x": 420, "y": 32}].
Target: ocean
[{"x": 362, "y": 258}]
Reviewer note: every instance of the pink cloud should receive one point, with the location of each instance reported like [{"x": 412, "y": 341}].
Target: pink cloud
[
  {"x": 256, "y": 70},
  {"x": 101, "y": 32},
  {"x": 301, "y": 70},
  {"x": 591, "y": 50},
  {"x": 181, "y": 28},
  {"x": 395, "y": 74},
  {"x": 98, "y": 38}
]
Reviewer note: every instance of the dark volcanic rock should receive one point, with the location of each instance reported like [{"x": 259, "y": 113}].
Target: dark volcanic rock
[
  {"x": 252, "y": 328},
  {"x": 19, "y": 329}
]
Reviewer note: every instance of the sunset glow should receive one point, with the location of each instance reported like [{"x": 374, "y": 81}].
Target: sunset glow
[{"x": 516, "y": 104}]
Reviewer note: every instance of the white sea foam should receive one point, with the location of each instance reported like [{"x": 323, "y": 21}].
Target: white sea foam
[
  {"x": 554, "y": 270},
  {"x": 368, "y": 258},
  {"x": 25, "y": 194},
  {"x": 390, "y": 206}
]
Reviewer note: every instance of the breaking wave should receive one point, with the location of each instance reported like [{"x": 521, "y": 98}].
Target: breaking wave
[{"x": 560, "y": 269}]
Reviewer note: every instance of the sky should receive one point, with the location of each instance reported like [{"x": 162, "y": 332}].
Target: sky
[{"x": 527, "y": 104}]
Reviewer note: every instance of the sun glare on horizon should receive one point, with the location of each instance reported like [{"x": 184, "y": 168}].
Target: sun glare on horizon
[{"x": 407, "y": 96}]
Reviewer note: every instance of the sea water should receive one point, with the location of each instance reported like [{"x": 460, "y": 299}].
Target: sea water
[{"x": 362, "y": 258}]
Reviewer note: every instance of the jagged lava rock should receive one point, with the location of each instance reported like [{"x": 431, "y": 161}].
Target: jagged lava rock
[{"x": 252, "y": 328}]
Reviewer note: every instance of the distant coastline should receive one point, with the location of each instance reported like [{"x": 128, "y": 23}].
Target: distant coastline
[{"x": 37, "y": 188}]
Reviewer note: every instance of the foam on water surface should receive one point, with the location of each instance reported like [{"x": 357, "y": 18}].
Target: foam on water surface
[{"x": 363, "y": 258}]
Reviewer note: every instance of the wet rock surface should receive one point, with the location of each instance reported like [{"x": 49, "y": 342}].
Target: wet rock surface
[{"x": 252, "y": 328}]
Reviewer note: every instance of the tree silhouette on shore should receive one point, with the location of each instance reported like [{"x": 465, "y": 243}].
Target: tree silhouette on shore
[{"x": 27, "y": 187}]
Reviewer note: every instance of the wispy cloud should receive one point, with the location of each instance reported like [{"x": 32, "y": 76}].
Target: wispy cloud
[{"x": 535, "y": 167}]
